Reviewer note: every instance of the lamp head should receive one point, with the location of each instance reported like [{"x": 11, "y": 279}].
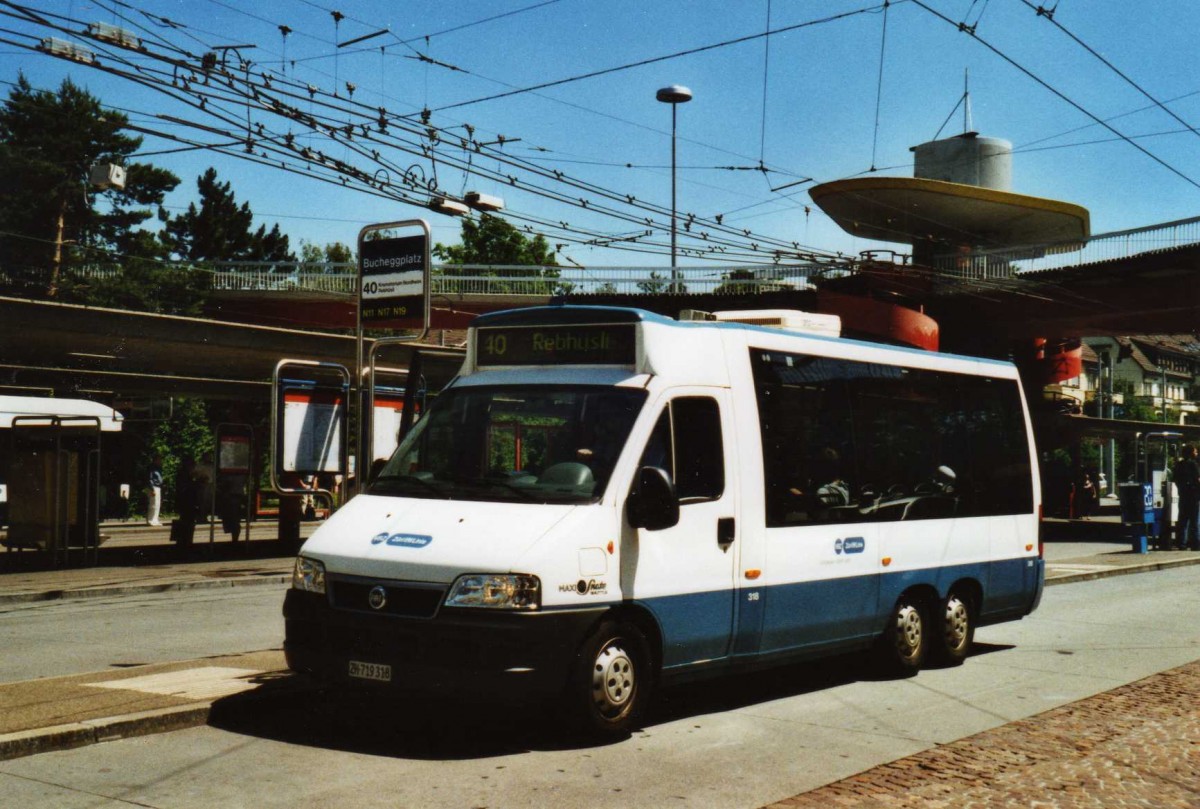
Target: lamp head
[{"x": 675, "y": 94}]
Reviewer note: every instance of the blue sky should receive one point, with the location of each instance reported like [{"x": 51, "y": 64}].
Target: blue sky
[{"x": 820, "y": 84}]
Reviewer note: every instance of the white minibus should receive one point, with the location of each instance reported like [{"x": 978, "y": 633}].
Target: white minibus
[{"x": 605, "y": 500}]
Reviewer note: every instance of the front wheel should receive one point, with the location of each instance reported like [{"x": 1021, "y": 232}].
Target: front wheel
[
  {"x": 905, "y": 641},
  {"x": 612, "y": 681},
  {"x": 957, "y": 631}
]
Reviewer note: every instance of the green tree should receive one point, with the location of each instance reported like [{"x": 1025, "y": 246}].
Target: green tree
[
  {"x": 737, "y": 282},
  {"x": 220, "y": 229},
  {"x": 493, "y": 241},
  {"x": 50, "y": 222},
  {"x": 186, "y": 434},
  {"x": 655, "y": 284},
  {"x": 333, "y": 253}
]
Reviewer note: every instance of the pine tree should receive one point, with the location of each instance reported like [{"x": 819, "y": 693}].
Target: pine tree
[
  {"x": 220, "y": 229},
  {"x": 49, "y": 217}
]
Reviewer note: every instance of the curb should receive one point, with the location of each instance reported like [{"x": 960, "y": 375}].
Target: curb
[
  {"x": 81, "y": 734},
  {"x": 104, "y": 591},
  {"x": 1148, "y": 567}
]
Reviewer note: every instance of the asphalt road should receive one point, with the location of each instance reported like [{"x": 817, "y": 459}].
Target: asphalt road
[
  {"x": 738, "y": 742},
  {"x": 73, "y": 636}
]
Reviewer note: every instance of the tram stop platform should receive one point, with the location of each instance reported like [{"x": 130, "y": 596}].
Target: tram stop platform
[{"x": 56, "y": 713}]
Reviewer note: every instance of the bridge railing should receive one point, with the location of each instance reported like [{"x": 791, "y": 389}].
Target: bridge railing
[
  {"x": 465, "y": 279},
  {"x": 471, "y": 279},
  {"x": 1011, "y": 261}
]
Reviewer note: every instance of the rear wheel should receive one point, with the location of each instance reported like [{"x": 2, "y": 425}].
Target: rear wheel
[
  {"x": 905, "y": 641},
  {"x": 957, "y": 630},
  {"x": 612, "y": 681}
]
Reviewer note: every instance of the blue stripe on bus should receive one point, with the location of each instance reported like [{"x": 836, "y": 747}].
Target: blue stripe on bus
[{"x": 792, "y": 617}]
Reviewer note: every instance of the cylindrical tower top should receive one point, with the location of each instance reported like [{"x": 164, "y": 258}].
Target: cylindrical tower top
[{"x": 967, "y": 159}]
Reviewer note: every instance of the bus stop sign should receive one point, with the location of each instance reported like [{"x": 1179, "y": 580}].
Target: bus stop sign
[{"x": 394, "y": 276}]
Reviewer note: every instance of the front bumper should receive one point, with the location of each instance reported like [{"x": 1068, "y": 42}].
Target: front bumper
[{"x": 517, "y": 655}]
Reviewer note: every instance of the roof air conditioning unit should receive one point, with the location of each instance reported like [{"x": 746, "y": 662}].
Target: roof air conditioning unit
[{"x": 787, "y": 319}]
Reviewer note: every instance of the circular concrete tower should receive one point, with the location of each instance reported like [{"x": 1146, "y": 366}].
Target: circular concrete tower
[{"x": 967, "y": 159}]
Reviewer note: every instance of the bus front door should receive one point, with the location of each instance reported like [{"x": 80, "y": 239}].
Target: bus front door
[{"x": 685, "y": 574}]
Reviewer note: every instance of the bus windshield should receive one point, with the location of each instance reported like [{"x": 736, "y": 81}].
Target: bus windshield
[{"x": 520, "y": 443}]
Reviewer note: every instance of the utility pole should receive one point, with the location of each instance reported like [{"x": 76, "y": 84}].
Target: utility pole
[{"x": 56, "y": 265}]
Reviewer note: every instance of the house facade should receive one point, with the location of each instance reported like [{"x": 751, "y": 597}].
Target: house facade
[{"x": 1151, "y": 370}]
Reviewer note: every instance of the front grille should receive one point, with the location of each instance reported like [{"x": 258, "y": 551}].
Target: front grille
[{"x": 407, "y": 599}]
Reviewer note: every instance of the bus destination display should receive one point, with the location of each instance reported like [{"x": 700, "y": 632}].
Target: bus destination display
[{"x": 603, "y": 344}]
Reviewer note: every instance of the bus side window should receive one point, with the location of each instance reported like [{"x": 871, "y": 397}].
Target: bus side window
[{"x": 687, "y": 443}]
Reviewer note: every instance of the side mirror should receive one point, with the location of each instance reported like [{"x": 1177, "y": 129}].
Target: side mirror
[{"x": 653, "y": 504}]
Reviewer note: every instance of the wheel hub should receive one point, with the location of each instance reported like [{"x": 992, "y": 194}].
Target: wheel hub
[
  {"x": 908, "y": 631},
  {"x": 956, "y": 623},
  {"x": 612, "y": 679}
]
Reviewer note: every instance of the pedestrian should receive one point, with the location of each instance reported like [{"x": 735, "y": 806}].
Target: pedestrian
[
  {"x": 123, "y": 502},
  {"x": 308, "y": 501},
  {"x": 1186, "y": 477},
  {"x": 1088, "y": 497},
  {"x": 231, "y": 503},
  {"x": 154, "y": 492},
  {"x": 186, "y": 503}
]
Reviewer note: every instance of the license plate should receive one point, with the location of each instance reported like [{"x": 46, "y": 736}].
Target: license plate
[{"x": 371, "y": 671}]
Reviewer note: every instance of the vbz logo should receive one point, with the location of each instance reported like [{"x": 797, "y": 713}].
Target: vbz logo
[
  {"x": 849, "y": 545},
  {"x": 402, "y": 540}
]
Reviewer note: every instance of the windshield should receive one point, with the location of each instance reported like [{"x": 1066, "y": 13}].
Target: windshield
[{"x": 518, "y": 443}]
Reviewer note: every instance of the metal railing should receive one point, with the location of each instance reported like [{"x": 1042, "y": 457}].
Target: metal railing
[
  {"x": 472, "y": 279},
  {"x": 477, "y": 279},
  {"x": 1011, "y": 261}
]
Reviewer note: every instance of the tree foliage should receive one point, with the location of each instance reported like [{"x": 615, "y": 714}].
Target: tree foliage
[
  {"x": 220, "y": 230},
  {"x": 186, "y": 434},
  {"x": 50, "y": 221},
  {"x": 332, "y": 253},
  {"x": 494, "y": 242}
]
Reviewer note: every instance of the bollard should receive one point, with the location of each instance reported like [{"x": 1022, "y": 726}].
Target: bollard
[{"x": 1137, "y": 535}]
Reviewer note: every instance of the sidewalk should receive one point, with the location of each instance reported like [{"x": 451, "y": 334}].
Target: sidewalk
[
  {"x": 62, "y": 712},
  {"x": 137, "y": 558},
  {"x": 1132, "y": 746}
]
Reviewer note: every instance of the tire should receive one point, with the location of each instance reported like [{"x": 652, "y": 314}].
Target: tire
[
  {"x": 612, "y": 681},
  {"x": 905, "y": 640},
  {"x": 956, "y": 630}
]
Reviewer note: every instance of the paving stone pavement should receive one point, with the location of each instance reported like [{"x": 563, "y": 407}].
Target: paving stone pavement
[{"x": 1134, "y": 746}]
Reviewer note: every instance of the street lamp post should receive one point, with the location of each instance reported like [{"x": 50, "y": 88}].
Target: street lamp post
[{"x": 674, "y": 95}]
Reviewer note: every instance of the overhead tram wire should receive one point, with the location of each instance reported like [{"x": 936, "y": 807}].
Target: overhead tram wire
[
  {"x": 879, "y": 86},
  {"x": 450, "y": 30},
  {"x": 1041, "y": 12},
  {"x": 655, "y": 59},
  {"x": 1058, "y": 93},
  {"x": 762, "y": 129},
  {"x": 308, "y": 171},
  {"x": 486, "y": 78},
  {"x": 782, "y": 246}
]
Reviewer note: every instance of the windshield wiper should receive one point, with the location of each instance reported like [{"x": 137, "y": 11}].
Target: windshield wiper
[
  {"x": 412, "y": 479},
  {"x": 493, "y": 482}
]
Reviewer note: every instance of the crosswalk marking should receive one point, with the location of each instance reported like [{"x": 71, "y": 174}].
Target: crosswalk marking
[{"x": 207, "y": 682}]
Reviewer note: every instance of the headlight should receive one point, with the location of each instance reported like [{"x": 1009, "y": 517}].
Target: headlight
[
  {"x": 505, "y": 591},
  {"x": 309, "y": 575}
]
